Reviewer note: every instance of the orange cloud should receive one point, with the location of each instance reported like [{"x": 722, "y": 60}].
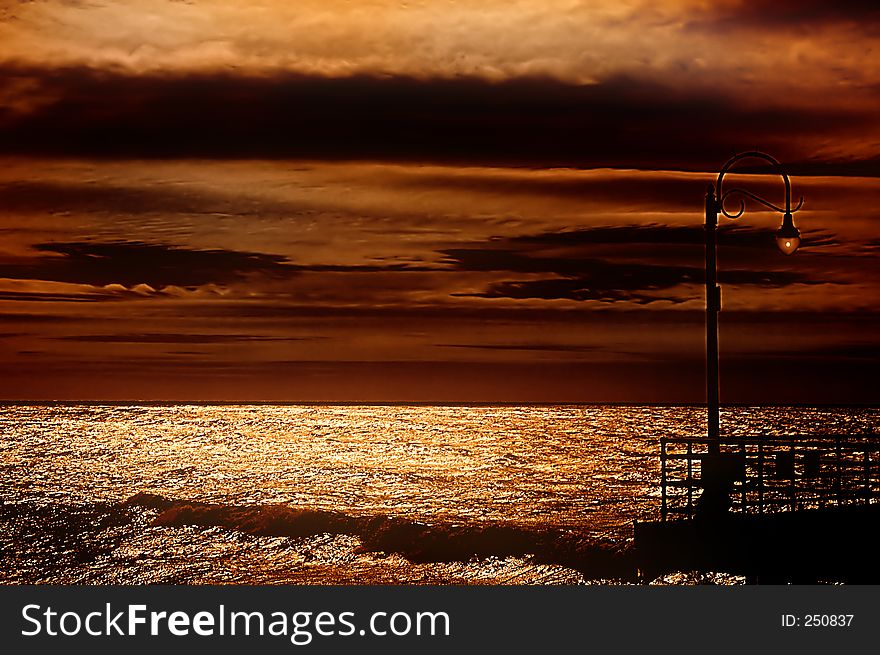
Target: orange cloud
[{"x": 578, "y": 42}]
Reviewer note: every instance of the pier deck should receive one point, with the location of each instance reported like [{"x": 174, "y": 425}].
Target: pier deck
[{"x": 796, "y": 509}]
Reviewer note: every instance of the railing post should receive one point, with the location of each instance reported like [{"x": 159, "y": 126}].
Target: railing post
[
  {"x": 838, "y": 482},
  {"x": 690, "y": 479},
  {"x": 663, "y": 509},
  {"x": 760, "y": 478}
]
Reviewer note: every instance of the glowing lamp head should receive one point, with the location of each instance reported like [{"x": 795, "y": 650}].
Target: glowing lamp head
[{"x": 788, "y": 237}]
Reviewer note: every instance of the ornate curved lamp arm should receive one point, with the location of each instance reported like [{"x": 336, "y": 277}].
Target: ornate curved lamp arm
[
  {"x": 756, "y": 198},
  {"x": 723, "y": 195},
  {"x": 787, "y": 238}
]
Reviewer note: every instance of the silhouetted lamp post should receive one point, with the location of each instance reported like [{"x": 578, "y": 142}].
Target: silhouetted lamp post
[{"x": 788, "y": 238}]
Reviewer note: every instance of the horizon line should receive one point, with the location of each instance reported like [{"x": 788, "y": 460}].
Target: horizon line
[{"x": 420, "y": 403}]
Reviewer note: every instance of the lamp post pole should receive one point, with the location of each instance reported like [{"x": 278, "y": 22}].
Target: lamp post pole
[
  {"x": 787, "y": 238},
  {"x": 713, "y": 306}
]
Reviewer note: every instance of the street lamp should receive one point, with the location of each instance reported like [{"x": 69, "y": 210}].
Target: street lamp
[{"x": 788, "y": 238}]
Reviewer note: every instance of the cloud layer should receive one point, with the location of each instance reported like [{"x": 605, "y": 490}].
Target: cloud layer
[
  {"x": 431, "y": 199},
  {"x": 620, "y": 121}
]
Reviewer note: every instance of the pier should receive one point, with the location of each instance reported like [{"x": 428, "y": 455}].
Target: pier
[{"x": 775, "y": 509}]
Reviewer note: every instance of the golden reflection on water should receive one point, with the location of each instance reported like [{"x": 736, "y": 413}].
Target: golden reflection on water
[
  {"x": 528, "y": 465},
  {"x": 592, "y": 469}
]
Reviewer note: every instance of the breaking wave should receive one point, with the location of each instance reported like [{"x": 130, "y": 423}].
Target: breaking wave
[{"x": 418, "y": 542}]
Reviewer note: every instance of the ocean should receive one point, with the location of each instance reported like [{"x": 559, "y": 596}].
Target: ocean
[{"x": 341, "y": 494}]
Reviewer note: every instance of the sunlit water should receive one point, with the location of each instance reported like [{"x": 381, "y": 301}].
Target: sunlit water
[{"x": 589, "y": 469}]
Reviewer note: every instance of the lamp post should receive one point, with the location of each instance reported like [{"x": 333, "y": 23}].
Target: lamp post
[{"x": 787, "y": 238}]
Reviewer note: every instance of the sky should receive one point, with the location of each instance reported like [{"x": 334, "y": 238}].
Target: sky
[{"x": 433, "y": 201}]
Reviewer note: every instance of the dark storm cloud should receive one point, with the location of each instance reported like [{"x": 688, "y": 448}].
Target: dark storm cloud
[
  {"x": 618, "y": 121},
  {"x": 588, "y": 288},
  {"x": 35, "y": 296},
  {"x": 658, "y": 234},
  {"x": 133, "y": 263},
  {"x": 872, "y": 246},
  {"x": 781, "y": 14},
  {"x": 598, "y": 279},
  {"x": 748, "y": 248},
  {"x": 582, "y": 275},
  {"x": 28, "y": 319}
]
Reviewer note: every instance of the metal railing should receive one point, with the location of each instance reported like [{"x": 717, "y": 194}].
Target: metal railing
[{"x": 769, "y": 474}]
